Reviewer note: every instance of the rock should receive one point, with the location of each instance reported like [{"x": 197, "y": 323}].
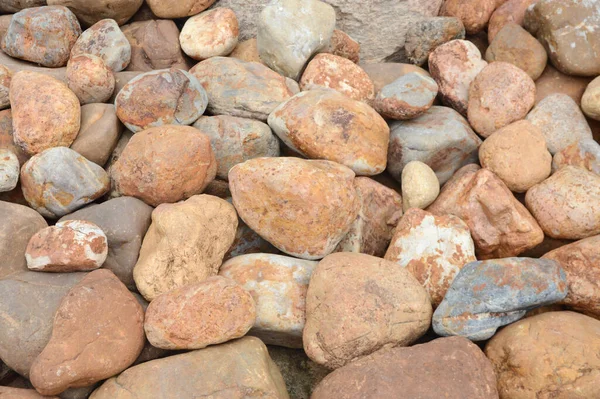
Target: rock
[
  {"x": 4, "y": 24},
  {"x": 290, "y": 32},
  {"x": 154, "y": 45},
  {"x": 247, "y": 241},
  {"x": 16, "y": 65},
  {"x": 125, "y": 221},
  {"x": 11, "y": 6},
  {"x": 420, "y": 186},
  {"x": 385, "y": 73},
  {"x": 584, "y": 153},
  {"x": 473, "y": 14},
  {"x": 59, "y": 181},
  {"x": 357, "y": 136},
  {"x": 432, "y": 248},
  {"x": 212, "y": 33},
  {"x": 553, "y": 81},
  {"x": 500, "y": 225},
  {"x": 178, "y": 9},
  {"x": 209, "y": 312},
  {"x": 486, "y": 295},
  {"x": 98, "y": 319},
  {"x": 567, "y": 342},
  {"x": 407, "y": 97},
  {"x": 90, "y": 13},
  {"x": 99, "y": 132},
  {"x": 42, "y": 35},
  {"x": 425, "y": 35},
  {"x": 9, "y": 170},
  {"x": 456, "y": 368},
  {"x": 30, "y": 300},
  {"x": 164, "y": 164},
  {"x": 105, "y": 40},
  {"x": 304, "y": 208},
  {"x": 590, "y": 102},
  {"x": 373, "y": 304},
  {"x": 509, "y": 12},
  {"x": 69, "y": 246},
  {"x": 185, "y": 244},
  {"x": 246, "y": 51},
  {"x": 19, "y": 224},
  {"x": 48, "y": 97},
  {"x": 342, "y": 45},
  {"x": 278, "y": 286},
  {"x": 235, "y": 140},
  {"x": 245, "y": 368},
  {"x": 515, "y": 45},
  {"x": 158, "y": 98},
  {"x": 517, "y": 154},
  {"x": 338, "y": 73},
  {"x": 90, "y": 79},
  {"x": 552, "y": 203},
  {"x": 21, "y": 393},
  {"x": 239, "y": 88},
  {"x": 440, "y": 138},
  {"x": 566, "y": 29},
  {"x": 5, "y": 77},
  {"x": 454, "y": 66},
  {"x": 6, "y": 137},
  {"x": 380, "y": 210}
]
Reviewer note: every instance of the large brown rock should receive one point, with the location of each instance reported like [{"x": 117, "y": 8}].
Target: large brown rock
[
  {"x": 454, "y": 368},
  {"x": 178, "y": 8},
  {"x": 357, "y": 304},
  {"x": 509, "y": 12},
  {"x": 567, "y": 342},
  {"x": 90, "y": 13},
  {"x": 99, "y": 132},
  {"x": 341, "y": 44},
  {"x": 500, "y": 225},
  {"x": 304, "y": 208}
]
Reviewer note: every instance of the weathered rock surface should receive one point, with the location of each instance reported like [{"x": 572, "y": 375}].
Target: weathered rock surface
[
  {"x": 301, "y": 375},
  {"x": 105, "y": 40},
  {"x": 584, "y": 153},
  {"x": 90, "y": 79},
  {"x": 407, "y": 97},
  {"x": 90, "y": 13},
  {"x": 341, "y": 44},
  {"x": 9, "y": 170},
  {"x": 508, "y": 12},
  {"x": 473, "y": 14},
  {"x": 99, "y": 132},
  {"x": 212, "y": 33},
  {"x": 425, "y": 35},
  {"x": 178, "y": 9},
  {"x": 420, "y": 186}
]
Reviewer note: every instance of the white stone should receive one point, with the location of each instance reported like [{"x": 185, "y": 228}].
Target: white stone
[
  {"x": 9, "y": 170},
  {"x": 420, "y": 186}
]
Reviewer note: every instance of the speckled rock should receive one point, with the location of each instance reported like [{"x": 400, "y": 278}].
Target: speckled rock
[
  {"x": 500, "y": 225},
  {"x": 185, "y": 244},
  {"x": 515, "y": 45},
  {"x": 43, "y": 35},
  {"x": 278, "y": 286},
  {"x": 551, "y": 202},
  {"x": 407, "y": 97},
  {"x": 90, "y": 79},
  {"x": 373, "y": 304},
  {"x": 246, "y": 51},
  {"x": 5, "y": 77},
  {"x": 357, "y": 136},
  {"x": 584, "y": 153},
  {"x": 517, "y": 154},
  {"x": 338, "y": 73},
  {"x": 420, "y": 186},
  {"x": 567, "y": 29},
  {"x": 440, "y": 138},
  {"x": 342, "y": 45},
  {"x": 454, "y": 66},
  {"x": 456, "y": 369},
  {"x": 48, "y": 97},
  {"x": 164, "y": 164},
  {"x": 70, "y": 246},
  {"x": 105, "y": 40},
  {"x": 568, "y": 343},
  {"x": 212, "y": 33},
  {"x": 590, "y": 102},
  {"x": 178, "y": 8},
  {"x": 99, "y": 132},
  {"x": 510, "y": 11},
  {"x": 245, "y": 368},
  {"x": 235, "y": 140},
  {"x": 473, "y": 14},
  {"x": 385, "y": 73},
  {"x": 425, "y": 35},
  {"x": 59, "y": 181},
  {"x": 90, "y": 13},
  {"x": 486, "y": 295},
  {"x": 500, "y": 94},
  {"x": 304, "y": 208},
  {"x": 291, "y": 31},
  {"x": 9, "y": 170},
  {"x": 240, "y": 88}
]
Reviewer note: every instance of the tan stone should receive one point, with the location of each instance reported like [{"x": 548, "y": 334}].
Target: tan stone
[
  {"x": 385, "y": 73},
  {"x": 99, "y": 132},
  {"x": 341, "y": 44},
  {"x": 474, "y": 14},
  {"x": 90, "y": 13},
  {"x": 500, "y": 225},
  {"x": 304, "y": 208},
  {"x": 590, "y": 102},
  {"x": 185, "y": 244},
  {"x": 509, "y": 12},
  {"x": 420, "y": 186},
  {"x": 584, "y": 153},
  {"x": 90, "y": 79},
  {"x": 566, "y": 341},
  {"x": 212, "y": 33},
  {"x": 246, "y": 51},
  {"x": 553, "y": 81},
  {"x": 178, "y": 8}
]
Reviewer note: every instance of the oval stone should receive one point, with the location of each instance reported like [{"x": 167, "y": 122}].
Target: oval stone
[
  {"x": 105, "y": 40},
  {"x": 209, "y": 34},
  {"x": 90, "y": 79}
]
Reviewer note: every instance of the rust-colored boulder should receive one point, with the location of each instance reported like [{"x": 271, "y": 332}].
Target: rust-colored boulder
[
  {"x": 90, "y": 79},
  {"x": 474, "y": 14},
  {"x": 212, "y": 33},
  {"x": 178, "y": 8},
  {"x": 341, "y": 44}
]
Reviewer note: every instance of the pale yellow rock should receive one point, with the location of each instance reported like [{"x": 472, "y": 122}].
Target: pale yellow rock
[
  {"x": 420, "y": 186},
  {"x": 590, "y": 102}
]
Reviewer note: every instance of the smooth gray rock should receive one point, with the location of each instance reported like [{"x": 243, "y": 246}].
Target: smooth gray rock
[{"x": 9, "y": 170}]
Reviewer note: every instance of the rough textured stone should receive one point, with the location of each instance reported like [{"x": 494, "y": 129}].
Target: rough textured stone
[
  {"x": 300, "y": 374},
  {"x": 567, "y": 341},
  {"x": 185, "y": 244},
  {"x": 69, "y": 246},
  {"x": 486, "y": 295},
  {"x": 9, "y": 170},
  {"x": 90, "y": 13},
  {"x": 454, "y": 66},
  {"x": 357, "y": 136},
  {"x": 407, "y": 97},
  {"x": 373, "y": 304},
  {"x": 509, "y": 12},
  {"x": 59, "y": 181},
  {"x": 235, "y": 140},
  {"x": 455, "y": 368},
  {"x": 5, "y": 77},
  {"x": 178, "y": 8},
  {"x": 424, "y": 36},
  {"x": 240, "y": 88},
  {"x": 304, "y": 208},
  {"x": 278, "y": 286},
  {"x": 440, "y": 138},
  {"x": 99, "y": 132},
  {"x": 245, "y": 368},
  {"x": 164, "y": 164},
  {"x": 48, "y": 97},
  {"x": 474, "y": 14},
  {"x": 590, "y": 101},
  {"x": 385, "y": 73},
  {"x": 517, "y": 154},
  {"x": 432, "y": 248},
  {"x": 246, "y": 51},
  {"x": 566, "y": 204},
  {"x": 212, "y": 33},
  {"x": 105, "y": 40},
  {"x": 90, "y": 79},
  {"x": 43, "y": 35},
  {"x": 420, "y": 186},
  {"x": 342, "y": 45},
  {"x": 584, "y": 153},
  {"x": 500, "y": 225}
]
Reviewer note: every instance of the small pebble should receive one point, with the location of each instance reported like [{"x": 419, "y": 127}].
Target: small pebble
[{"x": 420, "y": 186}]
